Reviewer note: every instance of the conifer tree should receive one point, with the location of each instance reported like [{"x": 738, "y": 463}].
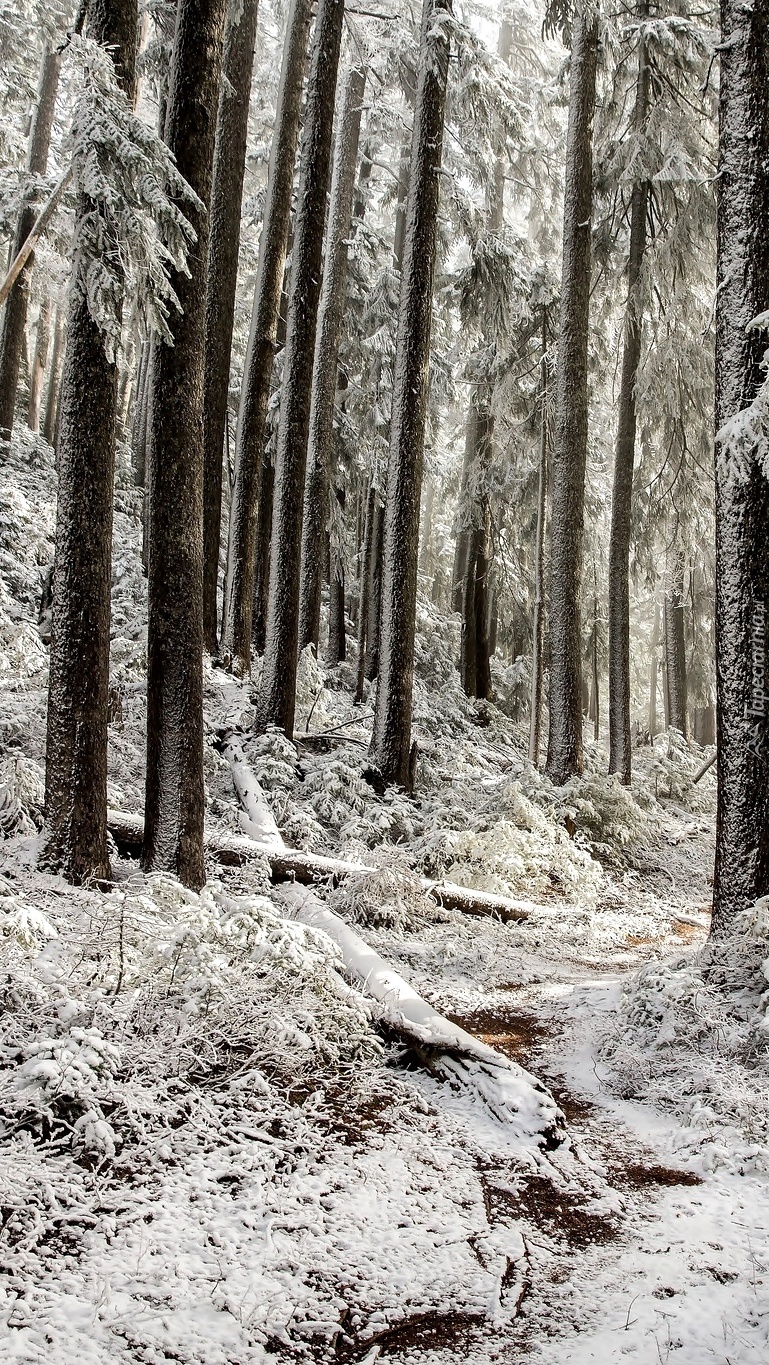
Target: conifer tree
[
  {"x": 249, "y": 524},
  {"x": 278, "y": 686},
  {"x": 174, "y": 803},
  {"x": 564, "y": 750},
  {"x": 75, "y": 835},
  {"x": 391, "y": 735}
]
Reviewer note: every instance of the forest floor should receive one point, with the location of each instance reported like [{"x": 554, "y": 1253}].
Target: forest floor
[{"x": 208, "y": 1151}]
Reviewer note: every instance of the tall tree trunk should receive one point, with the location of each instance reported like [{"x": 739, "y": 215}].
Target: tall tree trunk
[
  {"x": 174, "y": 804},
  {"x": 54, "y": 375},
  {"x": 474, "y": 657},
  {"x": 277, "y": 693},
  {"x": 75, "y": 837},
  {"x": 675, "y": 649},
  {"x": 262, "y": 568},
  {"x": 336, "y": 646},
  {"x": 373, "y": 617},
  {"x": 364, "y": 590},
  {"x": 221, "y": 281},
  {"x": 594, "y": 708},
  {"x": 39, "y": 364},
  {"x": 653, "y": 669},
  {"x": 15, "y": 316},
  {"x": 620, "y": 748},
  {"x": 252, "y": 418},
  {"x": 330, "y": 316},
  {"x": 564, "y": 750},
  {"x": 139, "y": 429},
  {"x": 537, "y": 670},
  {"x": 391, "y": 734},
  {"x": 742, "y": 503}
]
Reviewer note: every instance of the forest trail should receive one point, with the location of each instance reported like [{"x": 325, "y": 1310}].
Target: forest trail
[{"x": 678, "y": 1273}]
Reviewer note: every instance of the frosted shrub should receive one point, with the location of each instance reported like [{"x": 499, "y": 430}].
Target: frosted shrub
[{"x": 693, "y": 1033}]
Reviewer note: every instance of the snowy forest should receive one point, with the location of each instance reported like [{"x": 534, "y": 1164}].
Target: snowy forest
[{"x": 384, "y": 706}]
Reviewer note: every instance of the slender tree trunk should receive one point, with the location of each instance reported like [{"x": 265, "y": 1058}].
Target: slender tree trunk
[
  {"x": 742, "y": 500},
  {"x": 75, "y": 837},
  {"x": 474, "y": 658},
  {"x": 535, "y": 723},
  {"x": 249, "y": 443},
  {"x": 391, "y": 735},
  {"x": 620, "y": 748},
  {"x": 675, "y": 649},
  {"x": 564, "y": 752},
  {"x": 54, "y": 376},
  {"x": 704, "y": 725},
  {"x": 653, "y": 670},
  {"x": 595, "y": 688},
  {"x": 277, "y": 697},
  {"x": 174, "y": 804},
  {"x": 139, "y": 430},
  {"x": 221, "y": 282},
  {"x": 15, "y": 315},
  {"x": 665, "y": 687},
  {"x": 330, "y": 317},
  {"x": 364, "y": 590},
  {"x": 336, "y": 647},
  {"x": 462, "y": 546},
  {"x": 375, "y": 593},
  {"x": 39, "y": 365},
  {"x": 262, "y": 569}
]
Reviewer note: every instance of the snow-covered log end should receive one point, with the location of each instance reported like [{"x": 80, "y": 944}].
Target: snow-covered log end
[{"x": 511, "y": 1095}]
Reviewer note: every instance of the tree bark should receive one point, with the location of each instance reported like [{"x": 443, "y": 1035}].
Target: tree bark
[
  {"x": 391, "y": 734},
  {"x": 174, "y": 803},
  {"x": 537, "y": 670},
  {"x": 277, "y": 693},
  {"x": 221, "y": 282},
  {"x": 620, "y": 747},
  {"x": 54, "y": 376},
  {"x": 564, "y": 752},
  {"x": 75, "y": 836},
  {"x": 330, "y": 316},
  {"x": 15, "y": 316},
  {"x": 742, "y": 504},
  {"x": 675, "y": 649},
  {"x": 139, "y": 428},
  {"x": 249, "y": 444},
  {"x": 39, "y": 365}
]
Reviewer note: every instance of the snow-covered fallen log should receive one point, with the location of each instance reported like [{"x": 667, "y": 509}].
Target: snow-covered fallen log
[
  {"x": 309, "y": 869},
  {"x": 512, "y": 1095}
]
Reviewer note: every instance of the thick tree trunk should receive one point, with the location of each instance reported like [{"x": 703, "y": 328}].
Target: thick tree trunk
[
  {"x": 742, "y": 499},
  {"x": 221, "y": 282},
  {"x": 675, "y": 649},
  {"x": 564, "y": 750},
  {"x": 620, "y": 748},
  {"x": 249, "y": 445},
  {"x": 15, "y": 316},
  {"x": 705, "y": 725},
  {"x": 174, "y": 803},
  {"x": 54, "y": 376},
  {"x": 391, "y": 734},
  {"x": 75, "y": 837},
  {"x": 330, "y": 316},
  {"x": 39, "y": 365},
  {"x": 336, "y": 648},
  {"x": 537, "y": 669},
  {"x": 277, "y": 693}
]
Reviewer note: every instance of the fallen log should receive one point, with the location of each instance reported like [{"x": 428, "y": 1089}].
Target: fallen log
[
  {"x": 313, "y": 869},
  {"x": 706, "y": 766}
]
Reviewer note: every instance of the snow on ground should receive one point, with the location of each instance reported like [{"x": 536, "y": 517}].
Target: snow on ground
[{"x": 210, "y": 1154}]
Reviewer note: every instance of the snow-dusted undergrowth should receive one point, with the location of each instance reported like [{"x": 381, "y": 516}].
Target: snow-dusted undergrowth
[{"x": 692, "y": 1035}]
